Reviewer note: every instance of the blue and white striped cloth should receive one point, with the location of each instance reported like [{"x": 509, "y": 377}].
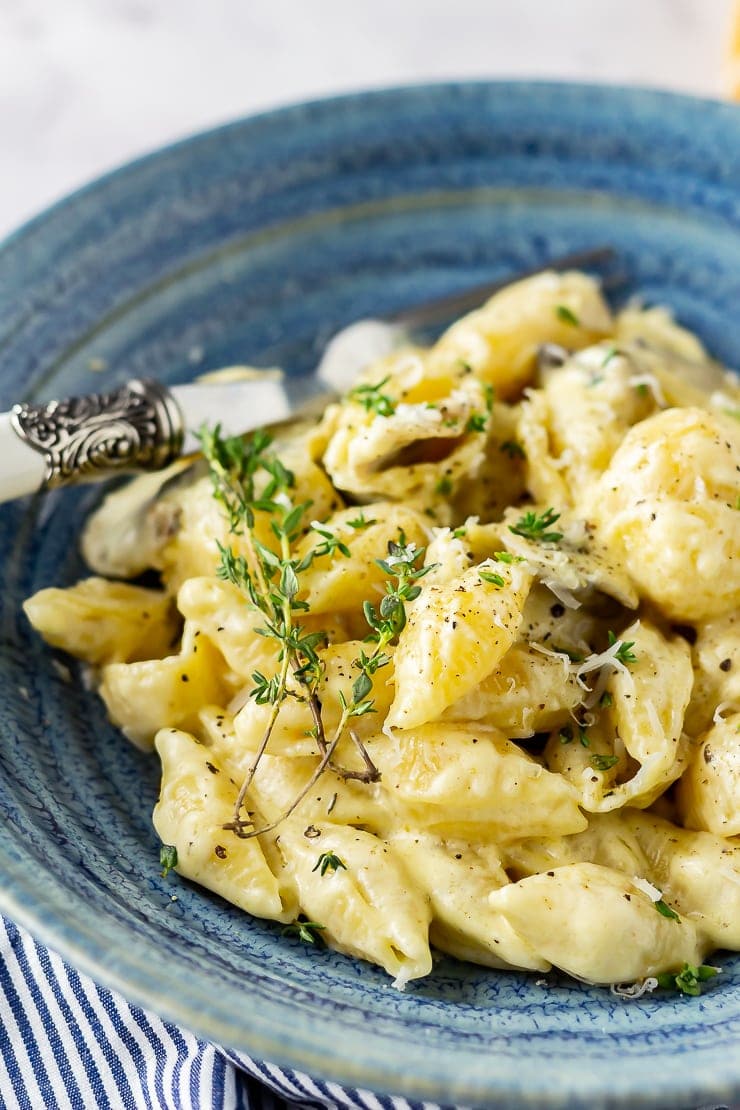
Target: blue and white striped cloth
[{"x": 68, "y": 1044}]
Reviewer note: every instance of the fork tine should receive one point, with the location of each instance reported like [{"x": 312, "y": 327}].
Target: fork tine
[{"x": 455, "y": 304}]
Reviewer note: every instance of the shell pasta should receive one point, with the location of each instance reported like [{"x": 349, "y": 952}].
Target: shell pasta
[{"x": 456, "y": 666}]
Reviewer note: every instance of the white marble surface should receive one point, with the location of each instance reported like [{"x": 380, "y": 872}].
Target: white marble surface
[{"x": 87, "y": 84}]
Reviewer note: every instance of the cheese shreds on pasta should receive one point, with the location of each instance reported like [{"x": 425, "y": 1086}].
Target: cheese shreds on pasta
[{"x": 494, "y": 707}]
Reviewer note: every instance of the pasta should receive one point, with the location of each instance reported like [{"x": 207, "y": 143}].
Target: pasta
[{"x": 456, "y": 667}]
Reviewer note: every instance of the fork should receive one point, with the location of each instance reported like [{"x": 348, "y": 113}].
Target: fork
[{"x": 145, "y": 425}]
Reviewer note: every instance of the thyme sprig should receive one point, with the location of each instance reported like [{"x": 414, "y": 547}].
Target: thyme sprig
[
  {"x": 404, "y": 566},
  {"x": 248, "y": 478},
  {"x": 404, "y": 563}
]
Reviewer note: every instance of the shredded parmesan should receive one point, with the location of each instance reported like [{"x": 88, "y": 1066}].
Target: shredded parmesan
[
  {"x": 562, "y": 593},
  {"x": 420, "y": 414},
  {"x": 596, "y": 661},
  {"x": 561, "y": 655},
  {"x": 646, "y": 887},
  {"x": 653, "y": 385},
  {"x": 630, "y": 991}
]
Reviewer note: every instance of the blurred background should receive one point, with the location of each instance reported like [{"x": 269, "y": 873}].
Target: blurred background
[{"x": 87, "y": 84}]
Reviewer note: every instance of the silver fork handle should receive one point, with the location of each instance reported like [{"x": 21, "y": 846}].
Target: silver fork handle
[{"x": 135, "y": 427}]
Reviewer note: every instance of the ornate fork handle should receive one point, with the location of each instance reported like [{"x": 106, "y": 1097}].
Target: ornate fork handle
[{"x": 136, "y": 426}]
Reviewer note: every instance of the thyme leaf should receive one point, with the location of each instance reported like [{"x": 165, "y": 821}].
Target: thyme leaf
[
  {"x": 665, "y": 910},
  {"x": 494, "y": 579},
  {"x": 533, "y": 526},
  {"x": 624, "y": 652},
  {"x": 328, "y": 861},
  {"x": 567, "y": 315},
  {"x": 167, "y": 858},
  {"x": 307, "y": 931},
  {"x": 513, "y": 449},
  {"x": 603, "y": 762}
]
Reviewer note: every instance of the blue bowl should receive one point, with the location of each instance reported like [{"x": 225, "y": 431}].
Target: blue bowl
[{"x": 253, "y": 243}]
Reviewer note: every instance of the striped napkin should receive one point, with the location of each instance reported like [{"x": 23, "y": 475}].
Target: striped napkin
[{"x": 68, "y": 1044}]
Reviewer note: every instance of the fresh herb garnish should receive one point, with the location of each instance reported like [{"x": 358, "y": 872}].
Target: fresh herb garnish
[
  {"x": 372, "y": 399},
  {"x": 494, "y": 579},
  {"x": 404, "y": 562},
  {"x": 360, "y": 522},
  {"x": 567, "y": 315},
  {"x": 167, "y": 858},
  {"x": 573, "y": 656},
  {"x": 248, "y": 478},
  {"x": 624, "y": 653},
  {"x": 610, "y": 354},
  {"x": 330, "y": 545},
  {"x": 665, "y": 910},
  {"x": 689, "y": 979},
  {"x": 603, "y": 762},
  {"x": 606, "y": 700},
  {"x": 566, "y": 735},
  {"x": 507, "y": 557},
  {"x": 328, "y": 861},
  {"x": 443, "y": 487},
  {"x": 513, "y": 449},
  {"x": 477, "y": 422},
  {"x": 404, "y": 567},
  {"x": 307, "y": 931},
  {"x": 533, "y": 526}
]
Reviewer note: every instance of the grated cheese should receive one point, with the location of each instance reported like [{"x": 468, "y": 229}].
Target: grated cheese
[
  {"x": 646, "y": 887},
  {"x": 630, "y": 991},
  {"x": 653, "y": 385}
]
